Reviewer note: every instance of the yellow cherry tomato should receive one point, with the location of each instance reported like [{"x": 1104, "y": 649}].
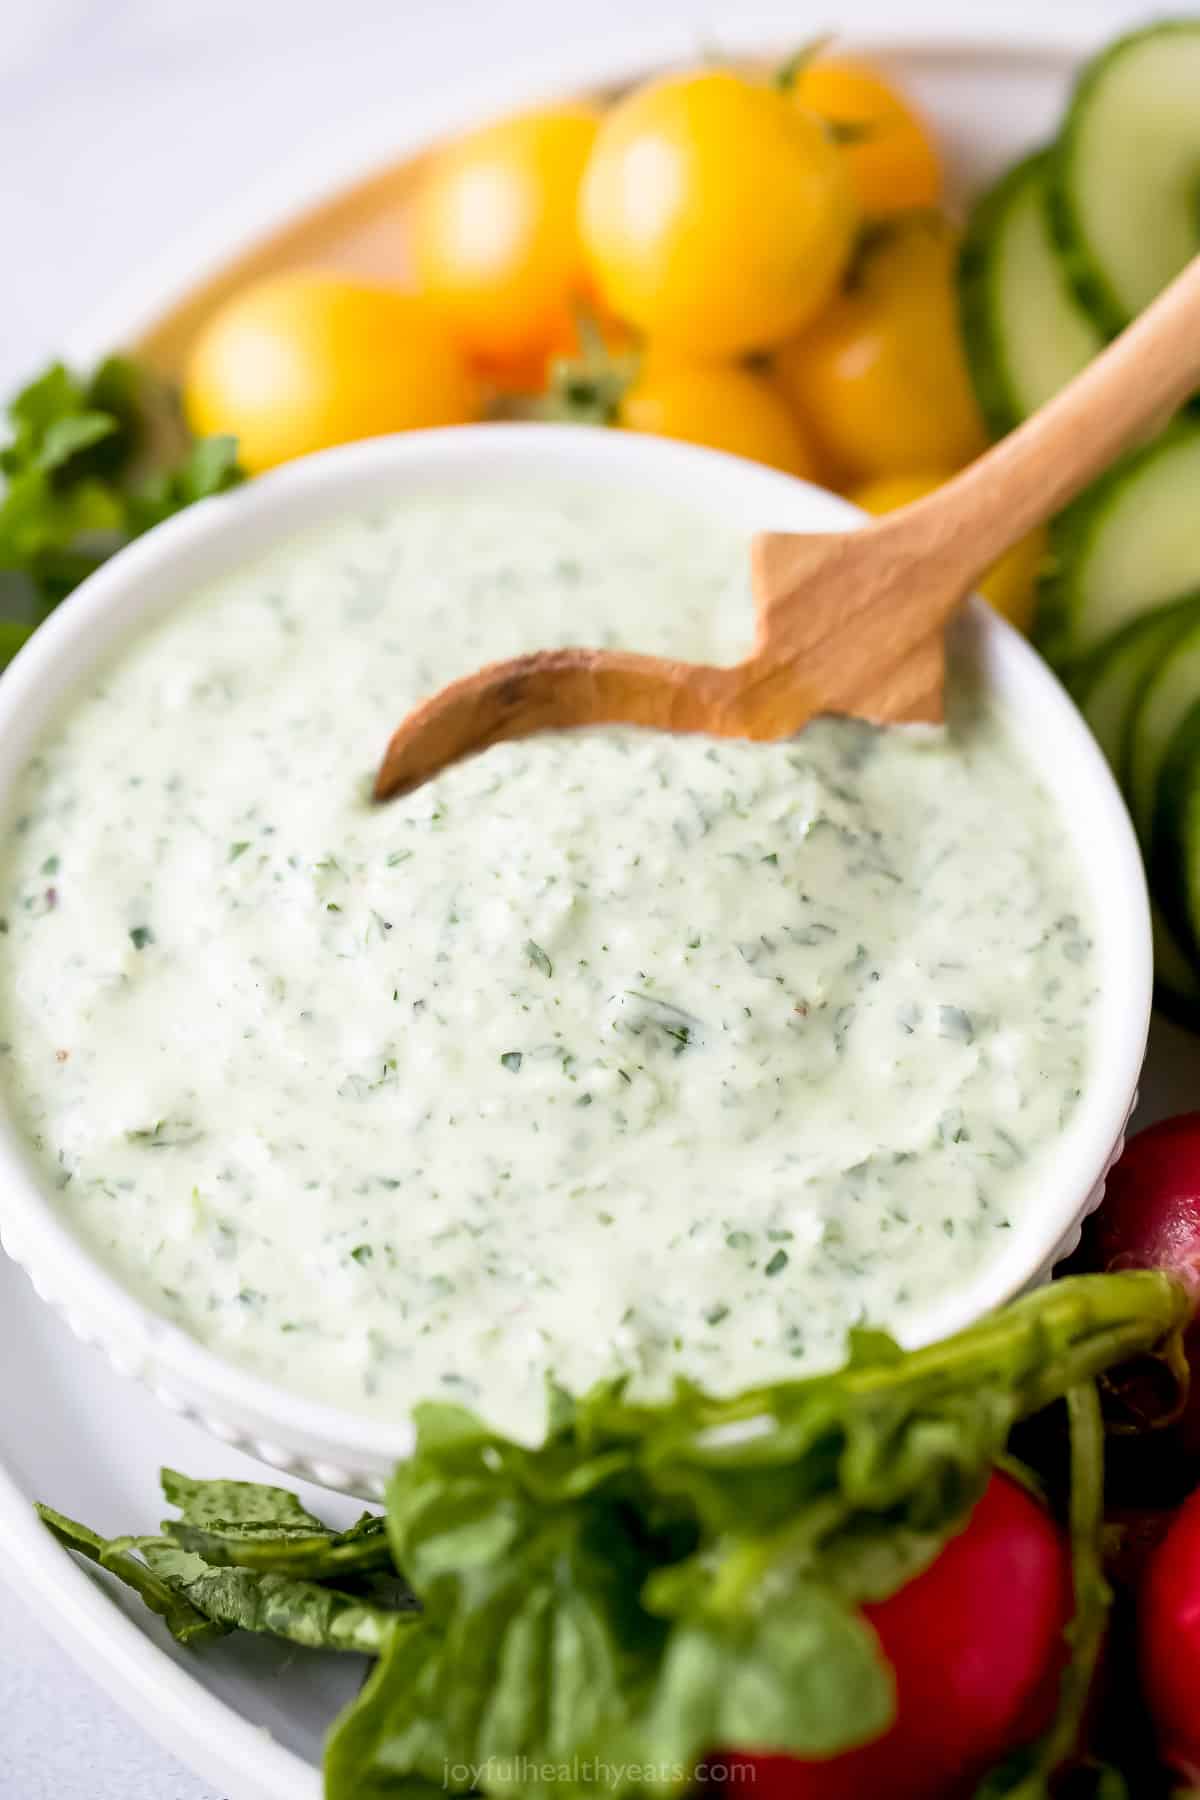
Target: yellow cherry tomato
[
  {"x": 1010, "y": 584},
  {"x": 888, "y": 148},
  {"x": 299, "y": 362},
  {"x": 888, "y": 493},
  {"x": 717, "y": 215},
  {"x": 720, "y": 405},
  {"x": 496, "y": 237},
  {"x": 881, "y": 378}
]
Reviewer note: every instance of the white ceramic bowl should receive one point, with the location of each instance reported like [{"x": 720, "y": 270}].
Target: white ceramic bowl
[{"x": 343, "y": 1449}]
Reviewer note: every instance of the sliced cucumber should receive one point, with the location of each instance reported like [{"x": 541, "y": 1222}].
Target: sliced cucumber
[
  {"x": 1126, "y": 171},
  {"x": 1129, "y": 544},
  {"x": 1110, "y": 684},
  {"x": 1108, "y": 691},
  {"x": 1175, "y": 838},
  {"x": 1167, "y": 699},
  {"x": 1176, "y": 982},
  {"x": 1025, "y": 332}
]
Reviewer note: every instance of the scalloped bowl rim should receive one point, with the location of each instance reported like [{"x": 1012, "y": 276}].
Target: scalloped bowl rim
[{"x": 344, "y": 1449}]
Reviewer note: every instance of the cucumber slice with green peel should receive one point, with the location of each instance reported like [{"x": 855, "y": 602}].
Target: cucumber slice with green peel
[
  {"x": 1129, "y": 544},
  {"x": 1176, "y": 980},
  {"x": 1025, "y": 332},
  {"x": 1167, "y": 699},
  {"x": 1125, "y": 179},
  {"x": 1175, "y": 837},
  {"x": 1108, "y": 687},
  {"x": 1109, "y": 690}
]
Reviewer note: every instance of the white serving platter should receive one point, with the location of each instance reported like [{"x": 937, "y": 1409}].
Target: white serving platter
[{"x": 248, "y": 1715}]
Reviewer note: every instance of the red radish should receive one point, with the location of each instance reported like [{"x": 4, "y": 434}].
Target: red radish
[
  {"x": 1150, "y": 1219},
  {"x": 976, "y": 1642},
  {"x": 1169, "y": 1641}
]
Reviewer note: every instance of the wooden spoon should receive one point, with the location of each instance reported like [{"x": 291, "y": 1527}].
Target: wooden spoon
[{"x": 847, "y": 622}]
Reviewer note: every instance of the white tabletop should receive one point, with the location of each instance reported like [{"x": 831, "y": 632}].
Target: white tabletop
[{"x": 123, "y": 125}]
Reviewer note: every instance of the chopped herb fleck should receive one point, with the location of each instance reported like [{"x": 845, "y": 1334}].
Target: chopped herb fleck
[
  {"x": 953, "y": 1022},
  {"x": 538, "y": 957},
  {"x": 165, "y": 1134}
]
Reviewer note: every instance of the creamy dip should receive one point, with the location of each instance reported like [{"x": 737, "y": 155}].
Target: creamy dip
[{"x": 606, "y": 1051}]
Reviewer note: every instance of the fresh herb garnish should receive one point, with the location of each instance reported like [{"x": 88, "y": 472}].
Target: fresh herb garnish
[
  {"x": 186, "y": 1623},
  {"x": 308, "y": 1613},
  {"x": 90, "y": 463},
  {"x": 244, "y": 1556},
  {"x": 205, "y": 1502},
  {"x": 140, "y": 936}
]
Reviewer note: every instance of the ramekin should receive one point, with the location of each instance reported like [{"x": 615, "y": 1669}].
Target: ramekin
[{"x": 344, "y": 1449}]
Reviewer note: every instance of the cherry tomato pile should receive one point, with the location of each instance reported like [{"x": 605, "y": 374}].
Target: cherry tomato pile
[{"x": 753, "y": 262}]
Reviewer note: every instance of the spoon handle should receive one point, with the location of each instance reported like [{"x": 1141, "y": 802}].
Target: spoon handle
[{"x": 1137, "y": 382}]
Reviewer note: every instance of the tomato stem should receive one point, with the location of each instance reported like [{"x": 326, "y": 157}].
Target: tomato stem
[{"x": 790, "y": 70}]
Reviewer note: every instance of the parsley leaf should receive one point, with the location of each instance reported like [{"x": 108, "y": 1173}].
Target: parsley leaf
[{"x": 90, "y": 463}]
